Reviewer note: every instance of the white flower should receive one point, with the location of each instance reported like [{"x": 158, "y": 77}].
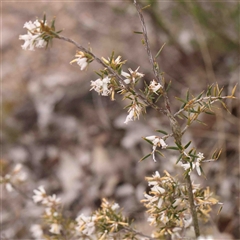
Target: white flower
[
  {"x": 158, "y": 189},
  {"x": 200, "y": 157},
  {"x": 101, "y": 86},
  {"x": 132, "y": 76},
  {"x": 36, "y": 231},
  {"x": 157, "y": 142},
  {"x": 33, "y": 37},
  {"x": 177, "y": 202},
  {"x": 187, "y": 221},
  {"x": 17, "y": 168},
  {"x": 9, "y": 187},
  {"x": 197, "y": 165},
  {"x": 96, "y": 85},
  {"x": 186, "y": 166},
  {"x": 134, "y": 112},
  {"x": 85, "y": 225},
  {"x": 55, "y": 228},
  {"x": 205, "y": 238},
  {"x": 82, "y": 60},
  {"x": 151, "y": 199},
  {"x": 160, "y": 202},
  {"x": 157, "y": 174},
  {"x": 48, "y": 211},
  {"x": 51, "y": 200},
  {"x": 152, "y": 220},
  {"x": 115, "y": 206},
  {"x": 154, "y": 86},
  {"x": 164, "y": 218},
  {"x": 105, "y": 90},
  {"x": 40, "y": 194}
]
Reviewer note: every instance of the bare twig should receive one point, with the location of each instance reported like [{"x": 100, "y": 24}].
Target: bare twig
[{"x": 147, "y": 42}]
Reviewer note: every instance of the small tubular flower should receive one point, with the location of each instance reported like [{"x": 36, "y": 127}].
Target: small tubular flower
[
  {"x": 82, "y": 59},
  {"x": 157, "y": 142},
  {"x": 85, "y": 224},
  {"x": 194, "y": 165},
  {"x": 55, "y": 228},
  {"x": 40, "y": 194},
  {"x": 134, "y": 113},
  {"x": 154, "y": 86},
  {"x": 132, "y": 76}
]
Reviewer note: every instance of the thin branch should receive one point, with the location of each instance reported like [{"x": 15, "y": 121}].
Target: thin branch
[
  {"x": 114, "y": 73},
  {"x": 145, "y": 35},
  {"x": 212, "y": 100}
]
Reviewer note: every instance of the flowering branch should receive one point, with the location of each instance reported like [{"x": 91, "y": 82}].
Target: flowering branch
[
  {"x": 172, "y": 206},
  {"x": 177, "y": 133}
]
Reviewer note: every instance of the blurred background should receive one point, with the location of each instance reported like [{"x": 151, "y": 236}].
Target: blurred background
[{"x": 74, "y": 142}]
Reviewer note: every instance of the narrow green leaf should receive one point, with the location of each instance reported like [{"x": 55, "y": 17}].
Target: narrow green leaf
[
  {"x": 210, "y": 113},
  {"x": 163, "y": 132},
  {"x": 149, "y": 5},
  {"x": 44, "y": 18},
  {"x": 183, "y": 105},
  {"x": 111, "y": 58},
  {"x": 187, "y": 98},
  {"x": 173, "y": 148},
  {"x": 137, "y": 32},
  {"x": 168, "y": 86},
  {"x": 181, "y": 100},
  {"x": 179, "y": 146},
  {"x": 143, "y": 158},
  {"x": 157, "y": 151},
  {"x": 179, "y": 158},
  {"x": 201, "y": 122},
  {"x": 193, "y": 111},
  {"x": 220, "y": 92},
  {"x": 187, "y": 145},
  {"x": 158, "y": 98},
  {"x": 53, "y": 23},
  {"x": 158, "y": 53},
  {"x": 200, "y": 95},
  {"x": 209, "y": 91},
  {"x": 234, "y": 89},
  {"x": 219, "y": 211},
  {"x": 148, "y": 141}
]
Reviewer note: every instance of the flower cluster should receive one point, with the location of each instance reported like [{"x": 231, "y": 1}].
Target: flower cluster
[
  {"x": 156, "y": 142},
  {"x": 106, "y": 221},
  {"x": 15, "y": 177},
  {"x": 115, "y": 64},
  {"x": 82, "y": 59},
  {"x": 168, "y": 205},
  {"x": 189, "y": 166},
  {"x": 52, "y": 213},
  {"x": 33, "y": 38},
  {"x": 102, "y": 86}
]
